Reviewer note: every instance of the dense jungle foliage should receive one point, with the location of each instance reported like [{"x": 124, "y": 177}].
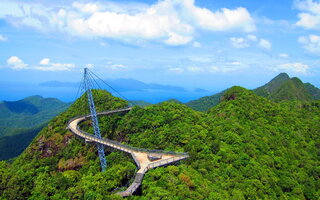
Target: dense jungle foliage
[{"x": 246, "y": 147}]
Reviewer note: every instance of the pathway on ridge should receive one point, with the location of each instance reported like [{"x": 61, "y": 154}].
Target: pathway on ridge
[{"x": 141, "y": 156}]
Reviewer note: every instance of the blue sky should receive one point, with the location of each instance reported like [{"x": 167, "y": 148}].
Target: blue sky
[{"x": 210, "y": 44}]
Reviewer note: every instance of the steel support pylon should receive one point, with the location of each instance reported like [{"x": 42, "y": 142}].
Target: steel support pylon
[{"x": 95, "y": 123}]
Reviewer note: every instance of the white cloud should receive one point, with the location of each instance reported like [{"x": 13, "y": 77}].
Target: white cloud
[
  {"x": 298, "y": 68},
  {"x": 16, "y": 63},
  {"x": 173, "y": 22},
  {"x": 87, "y": 8},
  {"x": 194, "y": 69},
  {"x": 265, "y": 44},
  {"x": 283, "y": 55},
  {"x": 205, "y": 68},
  {"x": 252, "y": 37},
  {"x": 309, "y": 18},
  {"x": 244, "y": 42},
  {"x": 234, "y": 63},
  {"x": 225, "y": 19},
  {"x": 176, "y": 70},
  {"x": 46, "y": 65},
  {"x": 3, "y": 38},
  {"x": 176, "y": 39},
  {"x": 44, "y": 61},
  {"x": 311, "y": 43},
  {"x": 118, "y": 67},
  {"x": 115, "y": 66},
  {"x": 239, "y": 42}
]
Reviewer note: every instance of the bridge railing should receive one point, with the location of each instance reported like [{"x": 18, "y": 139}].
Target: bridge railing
[
  {"x": 99, "y": 113},
  {"x": 125, "y": 146},
  {"x": 118, "y": 144}
]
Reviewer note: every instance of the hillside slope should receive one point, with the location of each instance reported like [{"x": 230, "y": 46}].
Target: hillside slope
[
  {"x": 205, "y": 103},
  {"x": 13, "y": 145},
  {"x": 313, "y": 91},
  {"x": 20, "y": 122},
  {"x": 292, "y": 89},
  {"x": 246, "y": 147},
  {"x": 29, "y": 112}
]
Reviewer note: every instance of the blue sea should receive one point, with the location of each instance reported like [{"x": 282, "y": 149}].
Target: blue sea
[{"x": 17, "y": 91}]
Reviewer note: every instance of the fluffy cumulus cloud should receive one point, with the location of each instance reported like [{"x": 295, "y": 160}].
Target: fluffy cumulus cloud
[
  {"x": 311, "y": 43},
  {"x": 298, "y": 68},
  {"x": 309, "y": 17},
  {"x": 265, "y": 44},
  {"x": 47, "y": 65},
  {"x": 173, "y": 22},
  {"x": 239, "y": 42},
  {"x": 44, "y": 61},
  {"x": 16, "y": 63}
]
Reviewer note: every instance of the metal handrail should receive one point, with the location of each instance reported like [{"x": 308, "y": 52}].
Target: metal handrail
[
  {"x": 116, "y": 143},
  {"x": 99, "y": 113}
]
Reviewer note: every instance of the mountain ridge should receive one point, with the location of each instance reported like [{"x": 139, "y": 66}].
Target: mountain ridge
[{"x": 280, "y": 88}]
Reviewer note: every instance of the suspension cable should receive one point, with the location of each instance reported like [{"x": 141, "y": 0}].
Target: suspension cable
[
  {"x": 80, "y": 87},
  {"x": 112, "y": 88}
]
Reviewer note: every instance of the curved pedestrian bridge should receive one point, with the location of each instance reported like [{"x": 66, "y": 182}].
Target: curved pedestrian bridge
[{"x": 145, "y": 158}]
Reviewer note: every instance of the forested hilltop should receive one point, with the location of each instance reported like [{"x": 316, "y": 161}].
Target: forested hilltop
[
  {"x": 246, "y": 147},
  {"x": 280, "y": 88}
]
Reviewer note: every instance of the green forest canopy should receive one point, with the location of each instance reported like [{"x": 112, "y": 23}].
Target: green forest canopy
[{"x": 246, "y": 147}]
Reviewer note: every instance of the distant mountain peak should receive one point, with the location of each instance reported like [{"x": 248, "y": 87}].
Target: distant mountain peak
[
  {"x": 282, "y": 75},
  {"x": 272, "y": 85},
  {"x": 282, "y": 87},
  {"x": 276, "y": 82}
]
